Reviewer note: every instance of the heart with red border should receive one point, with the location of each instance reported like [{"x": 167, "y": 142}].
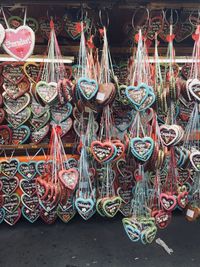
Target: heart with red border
[
  {"x": 69, "y": 178},
  {"x": 16, "y": 90},
  {"x": 5, "y": 135},
  {"x": 11, "y": 203},
  {"x": 182, "y": 199},
  {"x": 2, "y": 115},
  {"x": 28, "y": 187},
  {"x": 27, "y": 169},
  {"x": 44, "y": 26},
  {"x": 30, "y": 215},
  {"x": 10, "y": 184},
  {"x": 168, "y": 201},
  {"x": 194, "y": 89},
  {"x": 102, "y": 151},
  {"x": 38, "y": 135},
  {"x": 20, "y": 135},
  {"x": 32, "y": 203},
  {"x": 47, "y": 91},
  {"x": 9, "y": 167},
  {"x": 12, "y": 218},
  {"x": 16, "y": 105},
  {"x": 40, "y": 122},
  {"x": 48, "y": 217},
  {"x": 162, "y": 219},
  {"x": 19, "y": 43},
  {"x": 195, "y": 160},
  {"x": 13, "y": 72},
  {"x": 32, "y": 71},
  {"x": 2, "y": 34},
  {"x": 16, "y": 120}
]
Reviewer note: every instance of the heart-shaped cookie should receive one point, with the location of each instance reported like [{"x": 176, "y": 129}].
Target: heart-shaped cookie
[
  {"x": 48, "y": 217},
  {"x": 16, "y": 105},
  {"x": 30, "y": 215},
  {"x": 16, "y": 90},
  {"x": 142, "y": 148},
  {"x": 32, "y": 70},
  {"x": 69, "y": 178},
  {"x": 27, "y": 169},
  {"x": 16, "y": 120},
  {"x": 40, "y": 122},
  {"x": 87, "y": 87},
  {"x": 111, "y": 206},
  {"x": 59, "y": 113},
  {"x": 20, "y": 135},
  {"x": 84, "y": 206},
  {"x": 11, "y": 203},
  {"x": 102, "y": 151},
  {"x": 73, "y": 28},
  {"x": 194, "y": 89},
  {"x": 37, "y": 109},
  {"x": 167, "y": 201},
  {"x": 10, "y": 184},
  {"x": 32, "y": 203},
  {"x": 38, "y": 135},
  {"x": 19, "y": 43},
  {"x": 12, "y": 218},
  {"x": 47, "y": 91},
  {"x": 13, "y": 72},
  {"x": 44, "y": 26},
  {"x": 9, "y": 167},
  {"x": 28, "y": 187}
]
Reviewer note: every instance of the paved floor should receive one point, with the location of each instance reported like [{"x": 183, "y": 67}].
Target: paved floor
[{"x": 97, "y": 243}]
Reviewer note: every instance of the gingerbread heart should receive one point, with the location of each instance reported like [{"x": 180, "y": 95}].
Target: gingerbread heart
[
  {"x": 27, "y": 169},
  {"x": 9, "y": 167},
  {"x": 87, "y": 87},
  {"x": 28, "y": 187},
  {"x": 47, "y": 91},
  {"x": 69, "y": 178},
  {"x": 40, "y": 122},
  {"x": 16, "y": 90},
  {"x": 11, "y": 203},
  {"x": 16, "y": 105},
  {"x": 111, "y": 206},
  {"x": 142, "y": 148},
  {"x": 195, "y": 160},
  {"x": 48, "y": 217},
  {"x": 38, "y": 135},
  {"x": 167, "y": 201},
  {"x": 59, "y": 113},
  {"x": 12, "y": 218},
  {"x": 10, "y": 184},
  {"x": 30, "y": 215},
  {"x": 16, "y": 120},
  {"x": 102, "y": 151},
  {"x": 31, "y": 203},
  {"x": 32, "y": 71},
  {"x": 20, "y": 135},
  {"x": 19, "y": 43},
  {"x": 13, "y": 72},
  {"x": 194, "y": 89}
]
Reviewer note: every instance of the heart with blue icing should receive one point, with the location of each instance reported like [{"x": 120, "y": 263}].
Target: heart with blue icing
[{"x": 142, "y": 148}]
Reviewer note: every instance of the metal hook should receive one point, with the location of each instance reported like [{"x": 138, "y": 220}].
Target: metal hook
[{"x": 101, "y": 19}]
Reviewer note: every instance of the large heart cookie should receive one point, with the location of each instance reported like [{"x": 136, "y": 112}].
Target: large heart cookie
[
  {"x": 142, "y": 148},
  {"x": 19, "y": 43},
  {"x": 16, "y": 105},
  {"x": 16, "y": 120}
]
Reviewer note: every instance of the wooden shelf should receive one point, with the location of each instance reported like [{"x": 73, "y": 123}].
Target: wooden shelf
[{"x": 31, "y": 146}]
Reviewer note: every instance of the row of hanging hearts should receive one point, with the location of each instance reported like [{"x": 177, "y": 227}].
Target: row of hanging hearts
[{"x": 123, "y": 178}]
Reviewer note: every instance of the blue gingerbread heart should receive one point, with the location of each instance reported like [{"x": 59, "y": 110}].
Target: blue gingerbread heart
[{"x": 142, "y": 148}]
